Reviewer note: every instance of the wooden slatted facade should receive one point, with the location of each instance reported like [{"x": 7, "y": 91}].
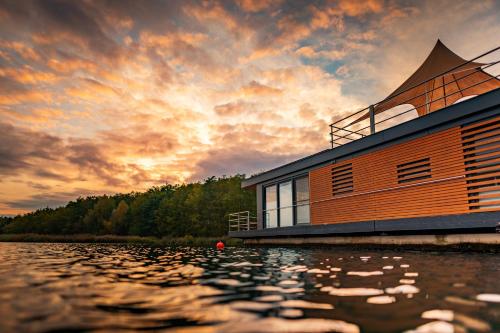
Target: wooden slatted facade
[
  {"x": 454, "y": 171},
  {"x": 481, "y": 146}
]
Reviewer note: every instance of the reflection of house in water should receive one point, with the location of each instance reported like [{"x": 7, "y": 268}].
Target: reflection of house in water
[{"x": 438, "y": 171}]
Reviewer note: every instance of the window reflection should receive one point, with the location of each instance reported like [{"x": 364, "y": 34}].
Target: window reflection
[
  {"x": 271, "y": 216},
  {"x": 302, "y": 200},
  {"x": 302, "y": 213},
  {"x": 287, "y": 203}
]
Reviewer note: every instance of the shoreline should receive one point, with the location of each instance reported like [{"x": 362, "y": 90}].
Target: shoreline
[
  {"x": 116, "y": 239},
  {"x": 387, "y": 242}
]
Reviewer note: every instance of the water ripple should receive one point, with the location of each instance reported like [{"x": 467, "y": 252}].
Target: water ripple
[{"x": 101, "y": 288}]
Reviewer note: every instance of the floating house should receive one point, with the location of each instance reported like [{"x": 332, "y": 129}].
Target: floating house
[{"x": 426, "y": 159}]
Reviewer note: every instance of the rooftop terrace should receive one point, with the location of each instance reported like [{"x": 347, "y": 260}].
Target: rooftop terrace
[{"x": 443, "y": 79}]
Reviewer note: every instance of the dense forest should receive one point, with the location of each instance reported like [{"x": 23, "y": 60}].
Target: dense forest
[{"x": 196, "y": 209}]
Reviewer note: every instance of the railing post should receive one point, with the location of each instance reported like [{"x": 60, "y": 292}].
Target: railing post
[
  {"x": 372, "y": 119},
  {"x": 331, "y": 134}
]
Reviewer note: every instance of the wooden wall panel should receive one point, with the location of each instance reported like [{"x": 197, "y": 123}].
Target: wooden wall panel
[
  {"x": 377, "y": 194},
  {"x": 481, "y": 147}
]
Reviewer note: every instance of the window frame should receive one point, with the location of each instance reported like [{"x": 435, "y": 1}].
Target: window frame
[
  {"x": 297, "y": 203},
  {"x": 265, "y": 211},
  {"x": 294, "y": 206}
]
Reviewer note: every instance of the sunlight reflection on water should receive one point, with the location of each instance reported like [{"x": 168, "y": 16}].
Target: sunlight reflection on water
[{"x": 85, "y": 287}]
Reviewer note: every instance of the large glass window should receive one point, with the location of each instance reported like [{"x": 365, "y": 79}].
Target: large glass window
[
  {"x": 302, "y": 200},
  {"x": 271, "y": 212},
  {"x": 286, "y": 204}
]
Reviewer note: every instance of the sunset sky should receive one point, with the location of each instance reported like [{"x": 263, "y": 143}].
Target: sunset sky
[{"x": 114, "y": 96}]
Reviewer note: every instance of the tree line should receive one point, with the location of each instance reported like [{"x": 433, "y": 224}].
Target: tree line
[{"x": 197, "y": 209}]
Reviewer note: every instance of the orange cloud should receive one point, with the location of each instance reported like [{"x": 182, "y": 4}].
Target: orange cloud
[
  {"x": 72, "y": 65},
  {"x": 149, "y": 39},
  {"x": 360, "y": 7},
  {"x": 59, "y": 37},
  {"x": 21, "y": 48},
  {"x": 233, "y": 109},
  {"x": 260, "y": 53},
  {"x": 28, "y": 75},
  {"x": 90, "y": 89},
  {"x": 292, "y": 30},
  {"x": 254, "y": 6},
  {"x": 123, "y": 23},
  {"x": 24, "y": 97},
  {"x": 309, "y": 52},
  {"x": 42, "y": 115},
  {"x": 324, "y": 18},
  {"x": 255, "y": 88},
  {"x": 306, "y": 112},
  {"x": 212, "y": 11}
]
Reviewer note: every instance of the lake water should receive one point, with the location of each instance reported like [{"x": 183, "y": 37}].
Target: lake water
[{"x": 87, "y": 287}]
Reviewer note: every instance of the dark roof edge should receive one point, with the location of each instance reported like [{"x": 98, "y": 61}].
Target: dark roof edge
[{"x": 439, "y": 118}]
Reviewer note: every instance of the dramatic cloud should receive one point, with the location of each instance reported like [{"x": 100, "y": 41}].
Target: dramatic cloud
[
  {"x": 22, "y": 149},
  {"x": 113, "y": 96}
]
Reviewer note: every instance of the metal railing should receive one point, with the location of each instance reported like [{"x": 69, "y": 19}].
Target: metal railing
[
  {"x": 242, "y": 221},
  {"x": 350, "y": 128}
]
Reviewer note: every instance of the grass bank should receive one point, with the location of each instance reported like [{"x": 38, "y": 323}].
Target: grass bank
[{"x": 87, "y": 238}]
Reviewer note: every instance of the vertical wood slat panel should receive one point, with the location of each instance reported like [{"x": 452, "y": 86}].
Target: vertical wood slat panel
[{"x": 377, "y": 195}]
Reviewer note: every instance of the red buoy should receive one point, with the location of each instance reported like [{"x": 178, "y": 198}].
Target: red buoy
[{"x": 220, "y": 246}]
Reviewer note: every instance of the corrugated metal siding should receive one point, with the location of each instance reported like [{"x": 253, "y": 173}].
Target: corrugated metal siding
[{"x": 377, "y": 194}]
